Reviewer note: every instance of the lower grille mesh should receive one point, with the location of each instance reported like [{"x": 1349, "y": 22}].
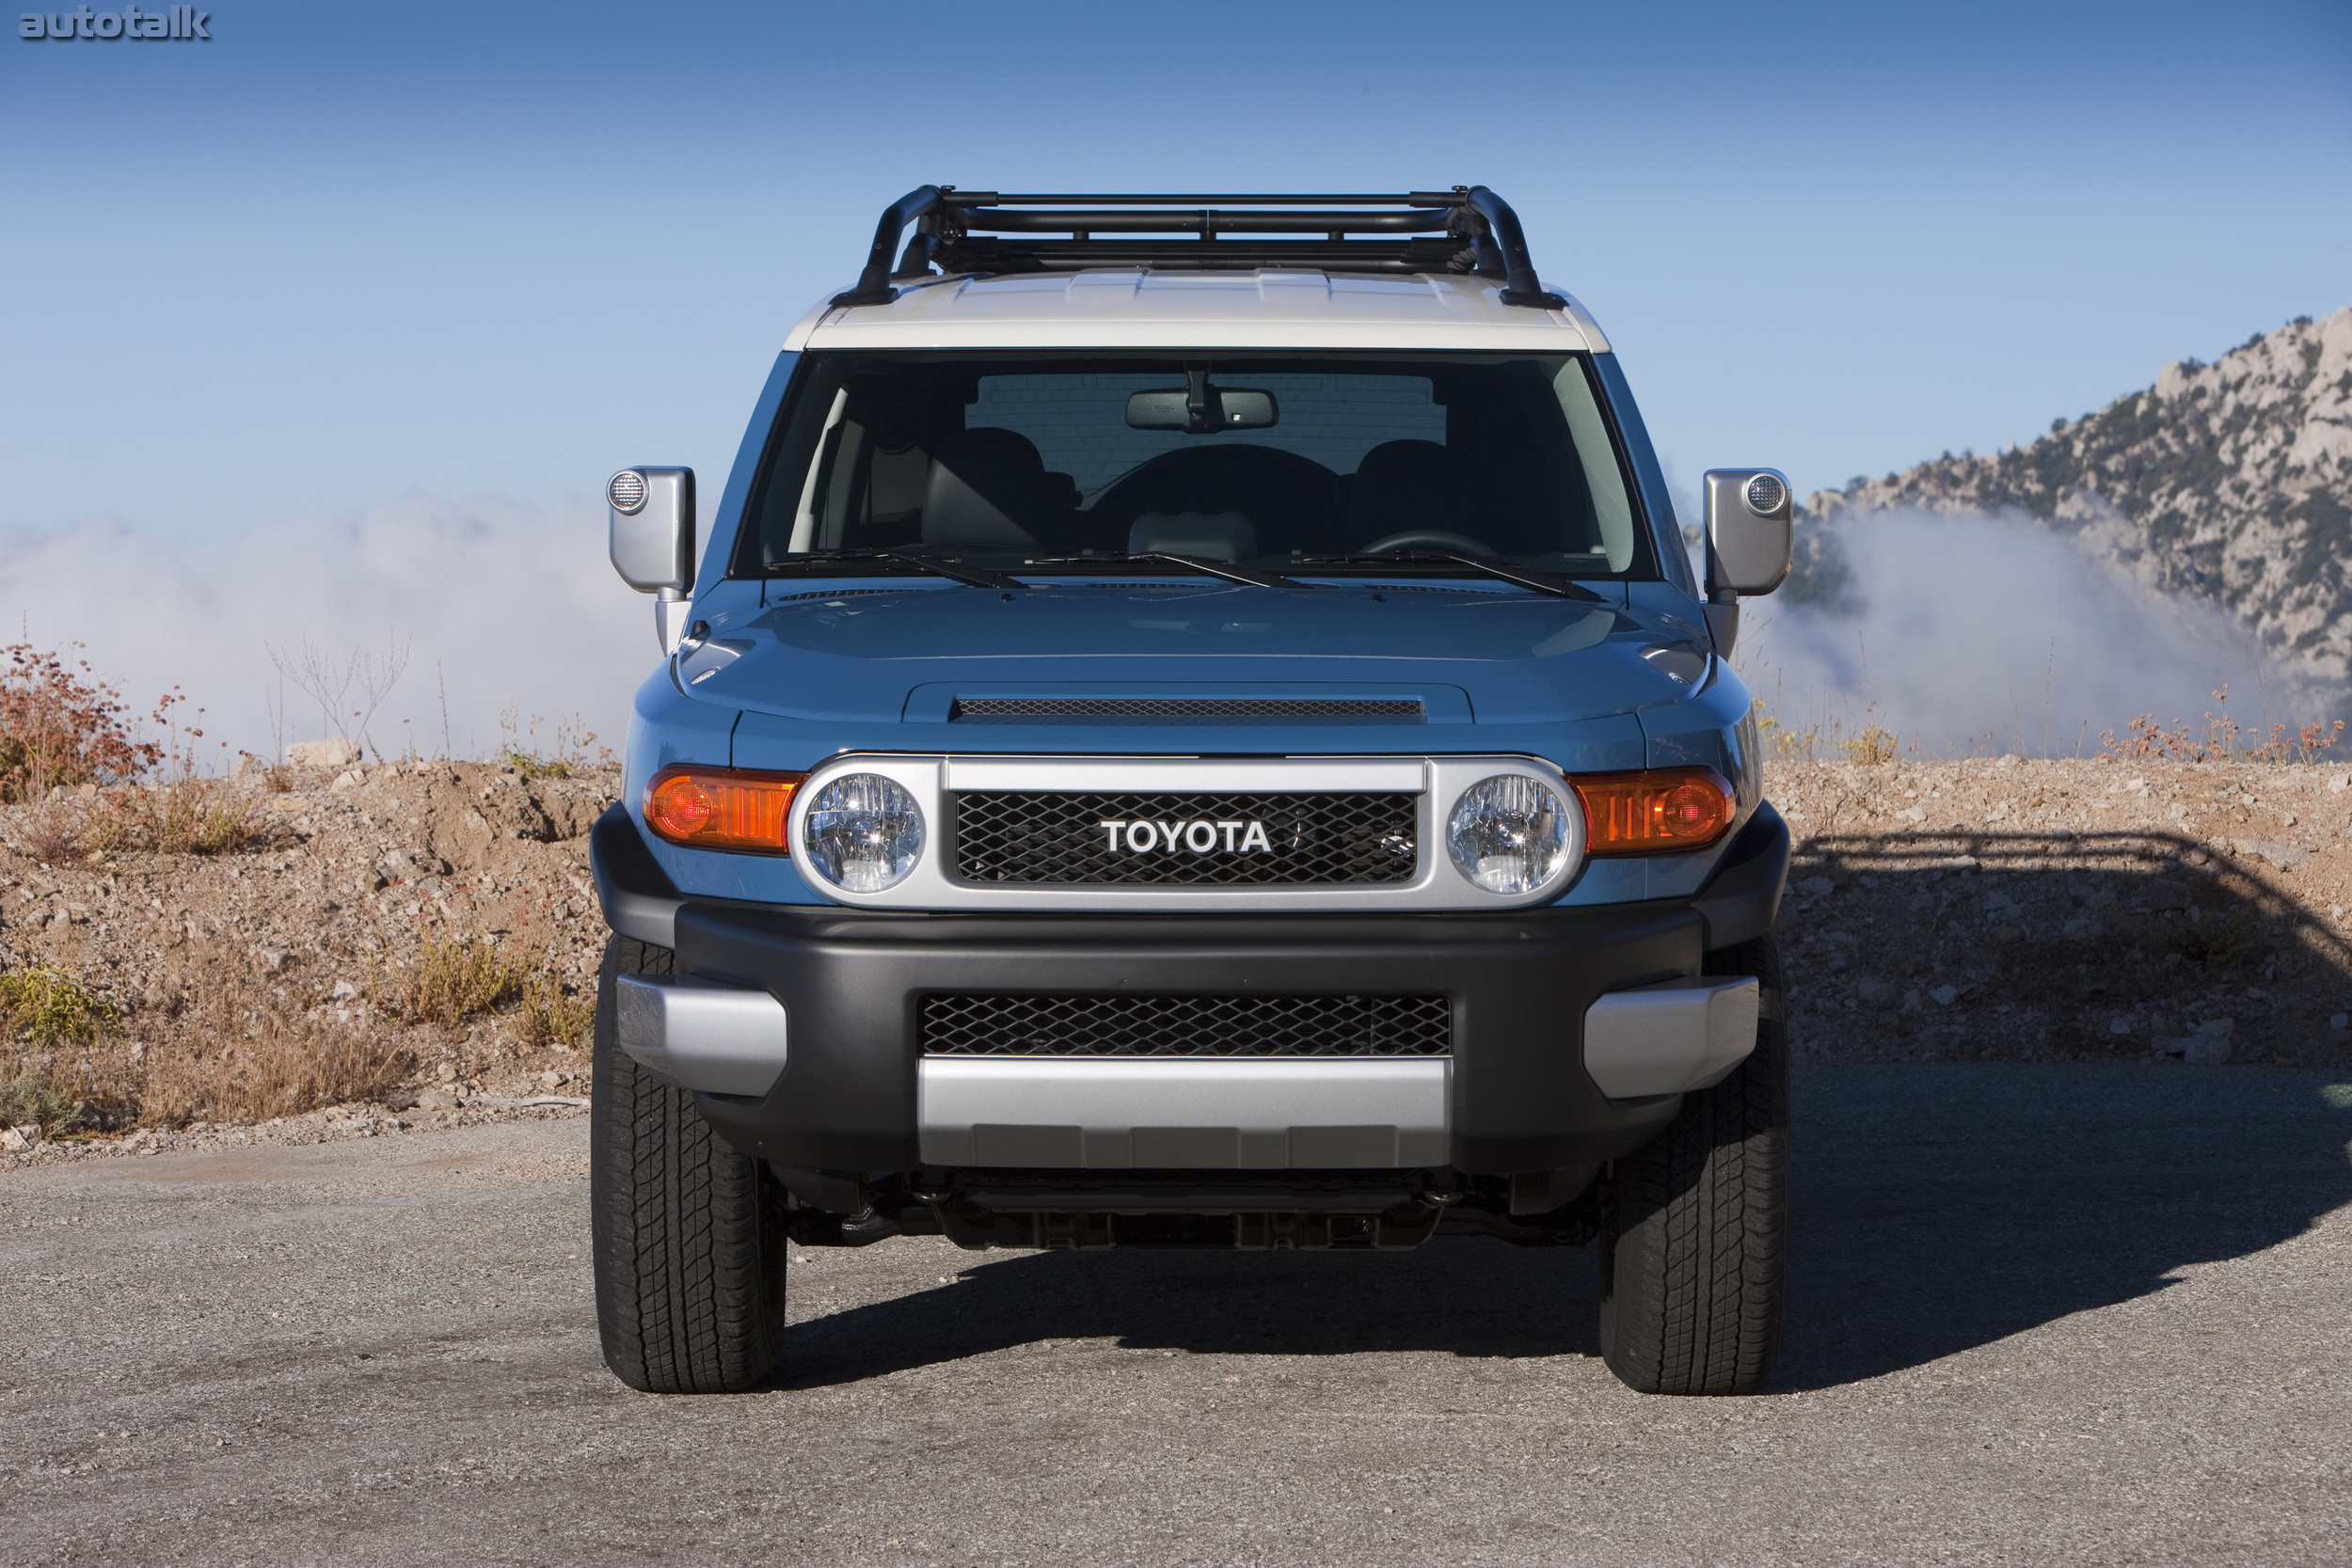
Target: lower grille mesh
[{"x": 1131, "y": 1025}]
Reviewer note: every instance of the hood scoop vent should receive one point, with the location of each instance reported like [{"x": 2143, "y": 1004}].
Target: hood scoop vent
[{"x": 1186, "y": 711}]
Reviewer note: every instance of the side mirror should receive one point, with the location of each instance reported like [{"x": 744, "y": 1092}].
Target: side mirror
[
  {"x": 1748, "y": 516},
  {"x": 652, "y": 512}
]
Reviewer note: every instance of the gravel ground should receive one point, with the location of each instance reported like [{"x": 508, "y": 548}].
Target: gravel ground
[{"x": 2062, "y": 1313}]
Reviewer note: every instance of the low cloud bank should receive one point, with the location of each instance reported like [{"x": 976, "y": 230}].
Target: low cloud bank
[
  {"x": 501, "y": 606},
  {"x": 1966, "y": 633},
  {"x": 1959, "y": 633}
]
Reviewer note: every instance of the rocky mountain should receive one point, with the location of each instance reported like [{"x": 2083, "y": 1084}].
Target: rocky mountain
[{"x": 2232, "y": 481}]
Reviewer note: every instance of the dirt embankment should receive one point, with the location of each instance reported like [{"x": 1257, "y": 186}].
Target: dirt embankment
[
  {"x": 2072, "y": 909},
  {"x": 419, "y": 938},
  {"x": 329, "y": 979}
]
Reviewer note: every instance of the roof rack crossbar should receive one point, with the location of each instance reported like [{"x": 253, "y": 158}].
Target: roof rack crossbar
[{"x": 1469, "y": 228}]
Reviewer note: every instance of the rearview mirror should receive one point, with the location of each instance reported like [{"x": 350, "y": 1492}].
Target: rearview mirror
[
  {"x": 1201, "y": 409},
  {"x": 1748, "y": 512},
  {"x": 652, "y": 514}
]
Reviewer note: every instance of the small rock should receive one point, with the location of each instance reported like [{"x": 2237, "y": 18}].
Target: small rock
[
  {"x": 1958, "y": 863},
  {"x": 345, "y": 991},
  {"x": 1914, "y": 814},
  {"x": 2342, "y": 780},
  {"x": 13, "y": 1141},
  {"x": 439, "y": 1099},
  {"x": 2340, "y": 1023},
  {"x": 2164, "y": 893},
  {"x": 1871, "y": 988},
  {"x": 271, "y": 959},
  {"x": 2286, "y": 857},
  {"x": 338, "y": 752},
  {"x": 1817, "y": 887},
  {"x": 1944, "y": 995},
  {"x": 2206, "y": 1045},
  {"x": 2078, "y": 926},
  {"x": 2005, "y": 933},
  {"x": 2118, "y": 1024},
  {"x": 347, "y": 781}
]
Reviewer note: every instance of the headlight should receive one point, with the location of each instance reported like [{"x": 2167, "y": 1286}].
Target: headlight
[
  {"x": 1509, "y": 834},
  {"x": 865, "y": 833}
]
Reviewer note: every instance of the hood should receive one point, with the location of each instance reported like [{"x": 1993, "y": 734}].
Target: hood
[{"x": 863, "y": 653}]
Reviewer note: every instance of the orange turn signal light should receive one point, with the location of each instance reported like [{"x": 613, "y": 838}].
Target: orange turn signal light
[
  {"x": 1655, "y": 812},
  {"x": 722, "y": 808}
]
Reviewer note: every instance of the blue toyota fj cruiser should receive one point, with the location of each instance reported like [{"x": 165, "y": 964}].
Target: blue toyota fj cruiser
[{"x": 1194, "y": 728}]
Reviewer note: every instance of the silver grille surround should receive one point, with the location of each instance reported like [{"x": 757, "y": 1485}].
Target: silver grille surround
[{"x": 1437, "y": 782}]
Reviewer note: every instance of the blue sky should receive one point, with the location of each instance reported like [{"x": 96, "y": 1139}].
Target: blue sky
[{"x": 346, "y": 254}]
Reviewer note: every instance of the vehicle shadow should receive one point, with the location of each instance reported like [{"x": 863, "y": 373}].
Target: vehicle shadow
[
  {"x": 1938, "y": 1205},
  {"x": 1943, "y": 1206},
  {"x": 1464, "y": 1295}
]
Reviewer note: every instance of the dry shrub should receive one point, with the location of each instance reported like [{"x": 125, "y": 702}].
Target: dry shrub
[
  {"x": 27, "y": 1098},
  {"x": 453, "y": 981},
  {"x": 2145, "y": 739},
  {"x": 2213, "y": 939},
  {"x": 215, "y": 1046},
  {"x": 267, "y": 1064},
  {"x": 552, "y": 1016},
  {"x": 59, "y": 727},
  {"x": 1872, "y": 745},
  {"x": 191, "y": 817},
  {"x": 51, "y": 836},
  {"x": 45, "y": 1007}
]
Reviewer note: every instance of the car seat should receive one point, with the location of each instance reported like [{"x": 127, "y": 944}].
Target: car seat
[
  {"x": 1405, "y": 486},
  {"x": 987, "y": 488}
]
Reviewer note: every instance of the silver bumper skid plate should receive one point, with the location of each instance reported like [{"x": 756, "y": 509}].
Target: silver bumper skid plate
[
  {"x": 1187, "y": 1112},
  {"x": 1670, "y": 1038},
  {"x": 701, "y": 1035}
]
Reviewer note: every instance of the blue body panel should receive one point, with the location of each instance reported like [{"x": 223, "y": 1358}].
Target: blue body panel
[
  {"x": 876, "y": 665},
  {"x": 797, "y": 669}
]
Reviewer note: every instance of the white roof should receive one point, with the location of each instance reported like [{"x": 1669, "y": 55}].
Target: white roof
[{"x": 1138, "y": 307}]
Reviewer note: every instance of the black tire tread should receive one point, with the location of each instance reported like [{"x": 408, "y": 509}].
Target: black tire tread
[
  {"x": 1694, "y": 1255},
  {"x": 687, "y": 1240}
]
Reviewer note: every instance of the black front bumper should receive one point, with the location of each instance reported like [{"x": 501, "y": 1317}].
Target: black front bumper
[{"x": 851, "y": 983}]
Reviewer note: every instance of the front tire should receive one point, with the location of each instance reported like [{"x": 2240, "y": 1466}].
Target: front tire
[
  {"x": 1696, "y": 1243},
  {"x": 688, "y": 1235}
]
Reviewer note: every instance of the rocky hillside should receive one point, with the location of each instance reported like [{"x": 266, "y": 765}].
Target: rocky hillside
[{"x": 2231, "y": 482}]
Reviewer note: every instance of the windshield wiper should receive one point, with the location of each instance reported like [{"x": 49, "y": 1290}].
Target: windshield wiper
[
  {"x": 1245, "y": 575},
  {"x": 1507, "y": 571},
  {"x": 945, "y": 567}
]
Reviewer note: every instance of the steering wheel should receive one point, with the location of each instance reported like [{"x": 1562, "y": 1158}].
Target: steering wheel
[{"x": 1430, "y": 538}]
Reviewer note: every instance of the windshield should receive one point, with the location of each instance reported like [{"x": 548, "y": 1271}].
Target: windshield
[{"x": 1256, "y": 460}]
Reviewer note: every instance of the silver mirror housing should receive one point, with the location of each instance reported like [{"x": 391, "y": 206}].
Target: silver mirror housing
[
  {"x": 652, "y": 512},
  {"x": 1748, "y": 516}
]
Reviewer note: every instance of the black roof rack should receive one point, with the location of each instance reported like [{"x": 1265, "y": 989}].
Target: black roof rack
[{"x": 1466, "y": 230}]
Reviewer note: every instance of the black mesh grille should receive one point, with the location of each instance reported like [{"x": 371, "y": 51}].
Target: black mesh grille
[
  {"x": 1000, "y": 708},
  {"x": 1327, "y": 840},
  {"x": 1132, "y": 1025}
]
